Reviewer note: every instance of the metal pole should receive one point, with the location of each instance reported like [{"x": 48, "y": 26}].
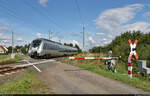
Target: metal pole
[
  {"x": 83, "y": 39},
  {"x": 12, "y": 54},
  {"x": 12, "y": 42},
  {"x": 49, "y": 35}
]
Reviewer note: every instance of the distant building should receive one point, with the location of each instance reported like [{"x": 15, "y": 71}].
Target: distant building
[{"x": 3, "y": 49}]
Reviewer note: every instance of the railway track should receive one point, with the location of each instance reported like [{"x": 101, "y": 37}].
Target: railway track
[{"x": 10, "y": 70}]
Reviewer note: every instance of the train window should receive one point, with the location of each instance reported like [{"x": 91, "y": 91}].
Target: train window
[
  {"x": 49, "y": 46},
  {"x": 36, "y": 43},
  {"x": 44, "y": 46}
]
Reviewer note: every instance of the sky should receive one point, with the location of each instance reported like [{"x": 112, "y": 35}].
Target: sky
[{"x": 103, "y": 20}]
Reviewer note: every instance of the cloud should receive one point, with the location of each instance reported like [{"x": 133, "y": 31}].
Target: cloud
[
  {"x": 74, "y": 42},
  {"x": 91, "y": 39},
  {"x": 99, "y": 34},
  {"x": 4, "y": 40},
  {"x": 114, "y": 21},
  {"x": 19, "y": 39},
  {"x": 143, "y": 26},
  {"x": 4, "y": 28},
  {"x": 39, "y": 35},
  {"x": 104, "y": 39},
  {"x": 146, "y": 14},
  {"x": 110, "y": 36},
  {"x": 3, "y": 37},
  {"x": 43, "y": 2},
  {"x": 106, "y": 42}
]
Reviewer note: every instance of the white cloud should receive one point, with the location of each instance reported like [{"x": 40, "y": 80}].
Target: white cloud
[
  {"x": 143, "y": 26},
  {"x": 5, "y": 40},
  {"x": 39, "y": 35},
  {"x": 110, "y": 36},
  {"x": 91, "y": 39},
  {"x": 3, "y": 37},
  {"x": 4, "y": 28},
  {"x": 43, "y": 2},
  {"x": 104, "y": 39},
  {"x": 100, "y": 34},
  {"x": 75, "y": 42},
  {"x": 114, "y": 21},
  {"x": 146, "y": 14},
  {"x": 20, "y": 39},
  {"x": 106, "y": 42}
]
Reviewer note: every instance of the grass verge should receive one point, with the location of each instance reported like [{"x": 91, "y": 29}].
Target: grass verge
[
  {"x": 29, "y": 83},
  {"x": 9, "y": 60}
]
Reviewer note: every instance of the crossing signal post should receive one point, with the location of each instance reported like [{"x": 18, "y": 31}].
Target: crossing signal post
[{"x": 132, "y": 52}]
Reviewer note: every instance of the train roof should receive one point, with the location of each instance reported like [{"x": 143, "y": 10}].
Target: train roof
[{"x": 48, "y": 40}]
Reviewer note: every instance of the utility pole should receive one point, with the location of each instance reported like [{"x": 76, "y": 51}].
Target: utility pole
[
  {"x": 61, "y": 38},
  {"x": 12, "y": 54},
  {"x": 49, "y": 35},
  {"x": 83, "y": 40}
]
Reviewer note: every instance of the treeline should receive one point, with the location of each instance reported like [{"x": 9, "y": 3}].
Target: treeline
[
  {"x": 120, "y": 46},
  {"x": 22, "y": 49}
]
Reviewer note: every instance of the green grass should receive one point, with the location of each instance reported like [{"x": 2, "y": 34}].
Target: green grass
[
  {"x": 27, "y": 84},
  {"x": 9, "y": 60},
  {"x": 136, "y": 82},
  {"x": 99, "y": 68},
  {"x": 3, "y": 55}
]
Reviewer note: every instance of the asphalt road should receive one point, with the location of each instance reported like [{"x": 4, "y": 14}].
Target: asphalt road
[{"x": 68, "y": 79}]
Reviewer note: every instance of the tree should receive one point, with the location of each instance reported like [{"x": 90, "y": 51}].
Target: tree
[
  {"x": 9, "y": 49},
  {"x": 76, "y": 46},
  {"x": 25, "y": 48},
  {"x": 120, "y": 47}
]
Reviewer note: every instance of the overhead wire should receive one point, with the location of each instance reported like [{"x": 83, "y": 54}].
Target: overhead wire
[
  {"x": 43, "y": 14},
  {"x": 49, "y": 17},
  {"x": 79, "y": 11},
  {"x": 13, "y": 14}
]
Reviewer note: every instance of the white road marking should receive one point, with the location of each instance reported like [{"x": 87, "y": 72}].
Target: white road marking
[
  {"x": 37, "y": 68},
  {"x": 34, "y": 66}
]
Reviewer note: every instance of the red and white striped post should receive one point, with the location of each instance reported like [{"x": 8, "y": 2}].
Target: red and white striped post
[{"x": 132, "y": 52}]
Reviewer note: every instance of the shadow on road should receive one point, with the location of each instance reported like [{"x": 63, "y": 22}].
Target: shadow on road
[{"x": 73, "y": 69}]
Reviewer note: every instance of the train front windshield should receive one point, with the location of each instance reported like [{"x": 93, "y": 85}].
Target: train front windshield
[{"x": 36, "y": 43}]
